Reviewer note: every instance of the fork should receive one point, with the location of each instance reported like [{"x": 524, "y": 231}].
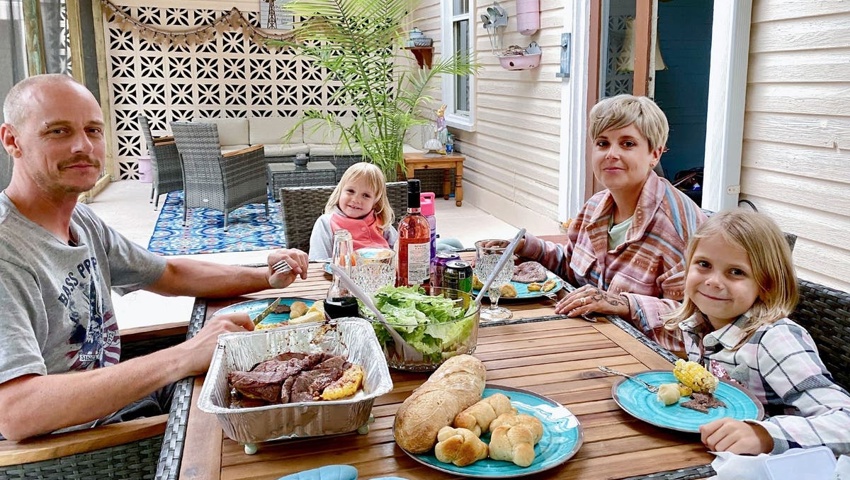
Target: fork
[
  {"x": 281, "y": 267},
  {"x": 651, "y": 388}
]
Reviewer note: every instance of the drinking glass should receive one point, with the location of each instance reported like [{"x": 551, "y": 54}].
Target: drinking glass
[
  {"x": 374, "y": 268},
  {"x": 487, "y": 256}
]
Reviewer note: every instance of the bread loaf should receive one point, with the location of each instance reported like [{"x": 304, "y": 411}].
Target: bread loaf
[
  {"x": 457, "y": 384},
  {"x": 459, "y": 446},
  {"x": 477, "y": 418}
]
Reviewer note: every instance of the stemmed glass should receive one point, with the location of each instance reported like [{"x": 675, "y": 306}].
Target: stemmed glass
[{"x": 487, "y": 256}]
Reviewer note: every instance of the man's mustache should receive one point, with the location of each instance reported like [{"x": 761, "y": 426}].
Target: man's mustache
[{"x": 84, "y": 159}]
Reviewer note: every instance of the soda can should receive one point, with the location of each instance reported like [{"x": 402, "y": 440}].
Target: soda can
[
  {"x": 458, "y": 275},
  {"x": 440, "y": 261}
]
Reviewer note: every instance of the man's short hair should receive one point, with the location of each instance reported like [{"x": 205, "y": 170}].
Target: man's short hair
[
  {"x": 14, "y": 107},
  {"x": 624, "y": 110}
]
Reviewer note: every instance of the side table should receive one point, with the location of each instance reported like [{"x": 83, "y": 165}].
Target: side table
[
  {"x": 289, "y": 175},
  {"x": 414, "y": 161}
]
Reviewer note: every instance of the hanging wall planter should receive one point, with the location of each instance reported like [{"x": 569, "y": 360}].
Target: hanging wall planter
[{"x": 518, "y": 58}]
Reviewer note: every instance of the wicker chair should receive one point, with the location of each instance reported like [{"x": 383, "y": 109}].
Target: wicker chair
[
  {"x": 165, "y": 163},
  {"x": 301, "y": 206},
  {"x": 123, "y": 450},
  {"x": 825, "y": 312},
  {"x": 214, "y": 180}
]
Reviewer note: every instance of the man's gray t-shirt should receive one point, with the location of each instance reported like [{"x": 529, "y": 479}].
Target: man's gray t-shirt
[{"x": 55, "y": 302}]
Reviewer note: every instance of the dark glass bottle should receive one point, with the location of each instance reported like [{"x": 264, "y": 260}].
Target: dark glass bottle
[
  {"x": 339, "y": 302},
  {"x": 414, "y": 241}
]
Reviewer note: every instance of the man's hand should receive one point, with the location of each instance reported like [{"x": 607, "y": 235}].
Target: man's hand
[
  {"x": 200, "y": 348},
  {"x": 587, "y": 300},
  {"x": 735, "y": 436},
  {"x": 297, "y": 261}
]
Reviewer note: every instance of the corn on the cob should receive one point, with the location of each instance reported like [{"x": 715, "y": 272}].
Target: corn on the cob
[
  {"x": 695, "y": 376},
  {"x": 685, "y": 390}
]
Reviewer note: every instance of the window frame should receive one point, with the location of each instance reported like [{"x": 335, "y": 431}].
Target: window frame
[{"x": 466, "y": 120}]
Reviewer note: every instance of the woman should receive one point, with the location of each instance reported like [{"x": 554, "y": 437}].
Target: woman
[{"x": 625, "y": 249}]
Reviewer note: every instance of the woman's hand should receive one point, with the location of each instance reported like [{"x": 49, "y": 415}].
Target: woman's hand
[
  {"x": 297, "y": 261},
  {"x": 735, "y": 436},
  {"x": 588, "y": 300}
]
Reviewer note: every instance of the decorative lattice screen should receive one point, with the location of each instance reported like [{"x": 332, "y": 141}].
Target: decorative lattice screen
[{"x": 227, "y": 77}]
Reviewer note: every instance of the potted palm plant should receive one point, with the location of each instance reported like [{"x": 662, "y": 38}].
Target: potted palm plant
[{"x": 360, "y": 44}]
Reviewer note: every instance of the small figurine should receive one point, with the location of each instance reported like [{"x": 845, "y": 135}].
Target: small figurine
[{"x": 437, "y": 144}]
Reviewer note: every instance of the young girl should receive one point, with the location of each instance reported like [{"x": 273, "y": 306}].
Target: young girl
[
  {"x": 740, "y": 288},
  {"x": 358, "y": 204}
]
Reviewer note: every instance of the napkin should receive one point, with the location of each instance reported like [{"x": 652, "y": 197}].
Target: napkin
[{"x": 795, "y": 464}]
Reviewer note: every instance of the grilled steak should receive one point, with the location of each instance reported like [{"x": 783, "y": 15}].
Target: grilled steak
[
  {"x": 288, "y": 377},
  {"x": 529, "y": 272}
]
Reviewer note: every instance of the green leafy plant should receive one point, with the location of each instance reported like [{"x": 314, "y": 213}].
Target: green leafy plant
[{"x": 360, "y": 44}]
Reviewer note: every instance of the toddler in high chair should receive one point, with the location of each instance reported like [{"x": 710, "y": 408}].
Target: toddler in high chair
[
  {"x": 358, "y": 204},
  {"x": 740, "y": 287}
]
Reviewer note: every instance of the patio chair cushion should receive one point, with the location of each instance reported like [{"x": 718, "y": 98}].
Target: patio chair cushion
[
  {"x": 273, "y": 131},
  {"x": 232, "y": 132}
]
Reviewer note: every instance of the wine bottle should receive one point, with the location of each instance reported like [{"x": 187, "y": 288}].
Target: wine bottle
[
  {"x": 413, "y": 247},
  {"x": 339, "y": 302}
]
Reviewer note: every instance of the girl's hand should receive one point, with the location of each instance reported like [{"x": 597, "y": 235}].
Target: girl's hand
[
  {"x": 735, "y": 436},
  {"x": 587, "y": 300}
]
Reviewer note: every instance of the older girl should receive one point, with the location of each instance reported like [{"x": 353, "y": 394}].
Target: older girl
[{"x": 740, "y": 288}]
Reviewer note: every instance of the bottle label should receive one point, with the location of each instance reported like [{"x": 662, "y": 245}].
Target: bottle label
[{"x": 418, "y": 262}]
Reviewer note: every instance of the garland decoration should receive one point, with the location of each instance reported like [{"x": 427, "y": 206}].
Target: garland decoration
[{"x": 192, "y": 36}]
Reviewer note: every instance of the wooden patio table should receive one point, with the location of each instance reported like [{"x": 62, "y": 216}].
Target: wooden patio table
[{"x": 537, "y": 351}]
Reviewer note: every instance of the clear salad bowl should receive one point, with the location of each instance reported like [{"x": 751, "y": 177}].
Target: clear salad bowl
[{"x": 439, "y": 325}]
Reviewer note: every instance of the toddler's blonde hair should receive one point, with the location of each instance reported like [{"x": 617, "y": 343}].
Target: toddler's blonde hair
[
  {"x": 623, "y": 110},
  {"x": 377, "y": 182},
  {"x": 770, "y": 258}
]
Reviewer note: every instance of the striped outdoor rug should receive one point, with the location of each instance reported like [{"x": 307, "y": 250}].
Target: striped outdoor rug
[{"x": 248, "y": 229}]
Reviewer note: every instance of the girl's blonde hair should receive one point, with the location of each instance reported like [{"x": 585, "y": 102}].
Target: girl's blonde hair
[
  {"x": 377, "y": 182},
  {"x": 770, "y": 258},
  {"x": 623, "y": 110}
]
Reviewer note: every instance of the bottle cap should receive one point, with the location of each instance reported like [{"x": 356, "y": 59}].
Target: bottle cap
[
  {"x": 426, "y": 199},
  {"x": 413, "y": 189}
]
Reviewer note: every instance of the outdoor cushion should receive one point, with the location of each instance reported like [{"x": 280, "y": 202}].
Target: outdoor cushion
[
  {"x": 231, "y": 131},
  {"x": 333, "y": 150},
  {"x": 285, "y": 150},
  {"x": 273, "y": 131},
  {"x": 233, "y": 148},
  {"x": 317, "y": 132}
]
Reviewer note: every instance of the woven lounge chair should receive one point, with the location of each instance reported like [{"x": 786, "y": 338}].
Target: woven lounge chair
[
  {"x": 825, "y": 312},
  {"x": 214, "y": 180},
  {"x": 123, "y": 450},
  {"x": 165, "y": 163},
  {"x": 301, "y": 206}
]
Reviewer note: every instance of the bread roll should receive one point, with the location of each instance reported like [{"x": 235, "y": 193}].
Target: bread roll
[
  {"x": 457, "y": 384},
  {"x": 477, "y": 418},
  {"x": 534, "y": 425},
  {"x": 513, "y": 444},
  {"x": 459, "y": 446}
]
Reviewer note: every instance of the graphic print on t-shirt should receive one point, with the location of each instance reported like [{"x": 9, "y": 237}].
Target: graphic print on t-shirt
[{"x": 94, "y": 341}]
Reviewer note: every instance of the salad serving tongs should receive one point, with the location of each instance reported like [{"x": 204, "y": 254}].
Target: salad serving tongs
[
  {"x": 506, "y": 255},
  {"x": 651, "y": 388},
  {"x": 402, "y": 347}
]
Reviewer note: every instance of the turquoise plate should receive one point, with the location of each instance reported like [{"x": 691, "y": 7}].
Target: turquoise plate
[
  {"x": 642, "y": 404},
  {"x": 562, "y": 437},
  {"x": 255, "y": 307},
  {"x": 522, "y": 292}
]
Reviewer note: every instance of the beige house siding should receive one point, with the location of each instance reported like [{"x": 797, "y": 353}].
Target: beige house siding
[
  {"x": 796, "y": 150},
  {"x": 512, "y": 157}
]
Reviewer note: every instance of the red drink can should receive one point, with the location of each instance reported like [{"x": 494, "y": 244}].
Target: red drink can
[{"x": 439, "y": 266}]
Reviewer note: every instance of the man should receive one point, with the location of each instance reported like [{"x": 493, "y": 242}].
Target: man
[{"x": 59, "y": 262}]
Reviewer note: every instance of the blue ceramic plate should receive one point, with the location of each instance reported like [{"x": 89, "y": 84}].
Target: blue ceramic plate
[
  {"x": 255, "y": 307},
  {"x": 522, "y": 292},
  {"x": 562, "y": 437},
  {"x": 640, "y": 403}
]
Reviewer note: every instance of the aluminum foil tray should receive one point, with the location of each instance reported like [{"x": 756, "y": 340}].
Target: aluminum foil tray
[{"x": 353, "y": 337}]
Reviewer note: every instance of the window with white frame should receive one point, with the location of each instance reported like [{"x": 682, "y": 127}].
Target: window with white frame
[{"x": 458, "y": 90}]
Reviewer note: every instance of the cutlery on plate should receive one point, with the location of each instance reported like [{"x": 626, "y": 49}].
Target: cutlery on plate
[
  {"x": 281, "y": 267},
  {"x": 651, "y": 388},
  {"x": 265, "y": 313}
]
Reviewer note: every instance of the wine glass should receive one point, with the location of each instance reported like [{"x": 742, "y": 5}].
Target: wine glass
[{"x": 487, "y": 258}]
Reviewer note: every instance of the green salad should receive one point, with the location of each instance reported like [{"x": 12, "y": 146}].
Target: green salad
[{"x": 430, "y": 324}]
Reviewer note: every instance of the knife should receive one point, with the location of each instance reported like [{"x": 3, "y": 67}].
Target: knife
[{"x": 265, "y": 313}]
